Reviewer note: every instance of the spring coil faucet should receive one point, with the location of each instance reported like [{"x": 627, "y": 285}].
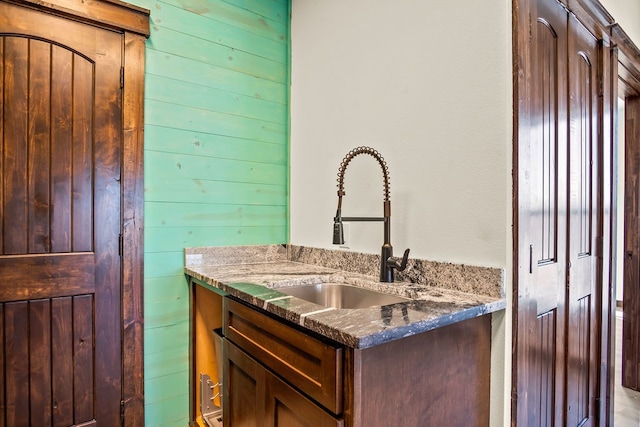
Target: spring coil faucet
[{"x": 387, "y": 261}]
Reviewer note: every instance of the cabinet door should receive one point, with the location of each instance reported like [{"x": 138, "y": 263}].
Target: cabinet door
[
  {"x": 243, "y": 392},
  {"x": 286, "y": 407},
  {"x": 254, "y": 397}
]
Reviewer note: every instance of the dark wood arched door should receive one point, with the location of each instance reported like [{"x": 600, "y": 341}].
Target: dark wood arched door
[
  {"x": 581, "y": 351},
  {"x": 558, "y": 326},
  {"x": 60, "y": 212}
]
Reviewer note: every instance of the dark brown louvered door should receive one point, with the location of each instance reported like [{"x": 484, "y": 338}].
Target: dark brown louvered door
[{"x": 60, "y": 278}]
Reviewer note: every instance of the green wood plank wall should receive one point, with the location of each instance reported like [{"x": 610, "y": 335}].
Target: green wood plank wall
[{"x": 216, "y": 161}]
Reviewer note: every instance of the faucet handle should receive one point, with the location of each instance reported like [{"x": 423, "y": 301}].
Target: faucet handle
[{"x": 393, "y": 262}]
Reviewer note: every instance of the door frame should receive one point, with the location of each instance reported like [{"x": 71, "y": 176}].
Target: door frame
[
  {"x": 628, "y": 63},
  {"x": 600, "y": 23},
  {"x": 133, "y": 23}
]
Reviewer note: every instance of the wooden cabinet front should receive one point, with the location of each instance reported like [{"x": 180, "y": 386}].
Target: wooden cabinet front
[
  {"x": 435, "y": 378},
  {"x": 277, "y": 375},
  {"x": 312, "y": 365},
  {"x": 253, "y": 396},
  {"x": 244, "y": 382}
]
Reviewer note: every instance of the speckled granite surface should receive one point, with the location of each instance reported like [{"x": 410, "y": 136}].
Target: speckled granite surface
[
  {"x": 465, "y": 278},
  {"x": 251, "y": 273}
]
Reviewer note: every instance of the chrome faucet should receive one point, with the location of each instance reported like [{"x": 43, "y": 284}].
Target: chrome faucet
[{"x": 388, "y": 262}]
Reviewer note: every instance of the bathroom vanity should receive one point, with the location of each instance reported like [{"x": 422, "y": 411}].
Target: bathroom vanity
[{"x": 290, "y": 362}]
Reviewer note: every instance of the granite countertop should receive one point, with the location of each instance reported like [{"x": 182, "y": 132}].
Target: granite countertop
[{"x": 252, "y": 279}]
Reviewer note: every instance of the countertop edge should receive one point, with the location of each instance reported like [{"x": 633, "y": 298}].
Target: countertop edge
[{"x": 313, "y": 317}]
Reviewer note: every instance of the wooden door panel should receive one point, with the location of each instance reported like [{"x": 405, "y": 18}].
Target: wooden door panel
[
  {"x": 49, "y": 361},
  {"x": 61, "y": 143},
  {"x": 40, "y": 361},
  {"x": 83, "y": 340},
  {"x": 544, "y": 386},
  {"x": 548, "y": 158},
  {"x": 39, "y": 145},
  {"x": 82, "y": 157},
  {"x": 544, "y": 223},
  {"x": 580, "y": 391},
  {"x": 49, "y": 275},
  {"x": 48, "y": 150},
  {"x": 582, "y": 358},
  {"x": 14, "y": 154},
  {"x": 62, "y": 363},
  {"x": 16, "y": 370},
  {"x": 557, "y": 154},
  {"x": 60, "y": 266}
]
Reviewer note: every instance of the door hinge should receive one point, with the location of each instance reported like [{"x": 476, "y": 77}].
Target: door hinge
[
  {"x": 121, "y": 77},
  {"x": 122, "y": 412},
  {"x": 597, "y": 403},
  {"x": 120, "y": 245}
]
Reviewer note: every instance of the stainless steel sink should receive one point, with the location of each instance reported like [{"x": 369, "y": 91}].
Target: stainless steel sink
[{"x": 339, "y": 295}]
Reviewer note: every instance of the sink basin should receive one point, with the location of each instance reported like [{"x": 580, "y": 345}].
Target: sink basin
[{"x": 339, "y": 295}]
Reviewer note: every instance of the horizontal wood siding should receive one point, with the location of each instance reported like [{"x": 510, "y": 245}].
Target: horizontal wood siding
[{"x": 216, "y": 161}]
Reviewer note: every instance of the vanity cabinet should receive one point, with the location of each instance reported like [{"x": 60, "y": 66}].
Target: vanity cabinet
[{"x": 278, "y": 374}]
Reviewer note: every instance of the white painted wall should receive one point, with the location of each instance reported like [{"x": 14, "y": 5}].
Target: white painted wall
[
  {"x": 428, "y": 84},
  {"x": 627, "y": 14}
]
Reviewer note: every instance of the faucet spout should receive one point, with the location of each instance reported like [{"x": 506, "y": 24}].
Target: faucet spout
[{"x": 387, "y": 264}]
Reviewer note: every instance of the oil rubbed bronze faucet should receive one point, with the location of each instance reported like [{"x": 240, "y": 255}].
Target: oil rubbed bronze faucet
[{"x": 387, "y": 261}]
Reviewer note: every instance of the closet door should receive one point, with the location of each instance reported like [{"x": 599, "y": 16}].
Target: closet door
[
  {"x": 583, "y": 324},
  {"x": 543, "y": 223},
  {"x": 557, "y": 327}
]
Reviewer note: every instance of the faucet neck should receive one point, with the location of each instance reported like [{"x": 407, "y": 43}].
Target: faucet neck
[
  {"x": 387, "y": 222},
  {"x": 386, "y": 272},
  {"x": 386, "y": 269},
  {"x": 355, "y": 152}
]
